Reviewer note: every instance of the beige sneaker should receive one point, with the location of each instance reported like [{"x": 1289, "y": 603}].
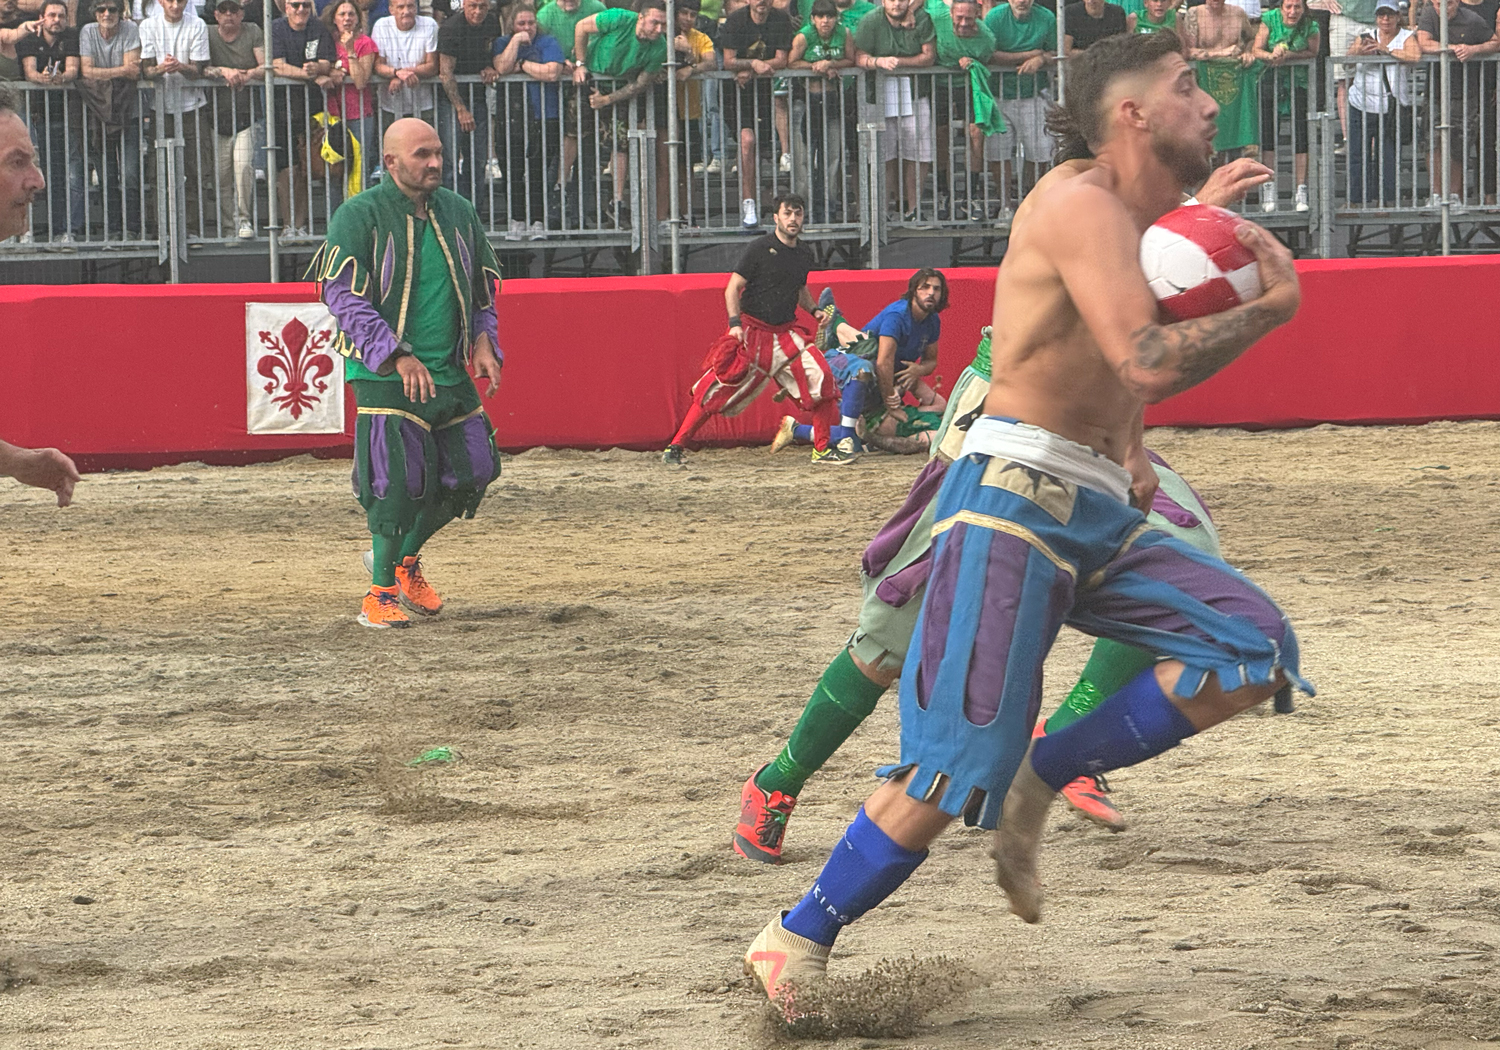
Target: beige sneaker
[
  {"x": 781, "y": 961},
  {"x": 785, "y": 434}
]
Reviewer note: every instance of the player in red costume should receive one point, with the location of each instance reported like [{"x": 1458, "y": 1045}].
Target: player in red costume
[{"x": 763, "y": 345}]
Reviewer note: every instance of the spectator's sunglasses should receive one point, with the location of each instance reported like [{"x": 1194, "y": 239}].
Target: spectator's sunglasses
[
  {"x": 107, "y": 9},
  {"x": 298, "y": 7}
]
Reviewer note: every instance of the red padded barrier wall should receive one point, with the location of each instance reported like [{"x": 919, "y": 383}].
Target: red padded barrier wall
[{"x": 131, "y": 375}]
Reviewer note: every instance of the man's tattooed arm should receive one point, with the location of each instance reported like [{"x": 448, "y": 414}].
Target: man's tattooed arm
[{"x": 1171, "y": 358}]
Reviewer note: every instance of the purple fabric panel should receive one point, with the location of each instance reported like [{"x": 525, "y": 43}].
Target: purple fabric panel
[
  {"x": 1223, "y": 591},
  {"x": 1173, "y": 511},
  {"x": 938, "y": 610},
  {"x": 1004, "y": 579},
  {"x": 465, "y": 257},
  {"x": 380, "y": 474},
  {"x": 361, "y": 322},
  {"x": 448, "y": 478},
  {"x": 1196, "y": 495},
  {"x": 477, "y": 444},
  {"x": 387, "y": 267},
  {"x": 901, "y": 587},
  {"x": 485, "y": 321},
  {"x": 416, "y": 461},
  {"x": 892, "y": 535}
]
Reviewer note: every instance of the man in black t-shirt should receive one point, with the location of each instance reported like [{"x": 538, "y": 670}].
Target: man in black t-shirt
[
  {"x": 302, "y": 49},
  {"x": 1088, "y": 21},
  {"x": 465, "y": 46},
  {"x": 756, "y": 41},
  {"x": 49, "y": 57},
  {"x": 762, "y": 345}
]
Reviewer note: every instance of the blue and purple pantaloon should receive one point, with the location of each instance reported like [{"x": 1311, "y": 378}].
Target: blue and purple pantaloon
[{"x": 1021, "y": 546}]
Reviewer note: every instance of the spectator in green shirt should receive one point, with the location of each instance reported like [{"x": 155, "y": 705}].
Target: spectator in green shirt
[
  {"x": 1026, "y": 42},
  {"x": 559, "y": 19},
  {"x": 626, "y": 53},
  {"x": 962, "y": 41},
  {"x": 852, "y": 12},
  {"x": 896, "y": 37}
]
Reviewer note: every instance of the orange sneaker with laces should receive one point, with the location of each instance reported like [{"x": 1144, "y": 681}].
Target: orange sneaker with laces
[
  {"x": 381, "y": 608},
  {"x": 762, "y": 822},
  {"x": 1088, "y": 795},
  {"x": 416, "y": 593}
]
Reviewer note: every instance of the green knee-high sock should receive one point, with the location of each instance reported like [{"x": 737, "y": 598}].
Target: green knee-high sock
[
  {"x": 1110, "y": 666},
  {"x": 843, "y": 699},
  {"x": 387, "y": 553},
  {"x": 429, "y": 520}
]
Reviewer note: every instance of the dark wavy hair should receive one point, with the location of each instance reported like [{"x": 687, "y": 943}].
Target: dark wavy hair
[
  {"x": 1078, "y": 126},
  {"x": 916, "y": 282}
]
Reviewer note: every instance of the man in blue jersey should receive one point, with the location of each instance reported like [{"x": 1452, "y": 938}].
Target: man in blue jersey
[{"x": 879, "y": 367}]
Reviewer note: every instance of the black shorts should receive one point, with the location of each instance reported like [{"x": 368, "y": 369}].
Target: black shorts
[
  {"x": 293, "y": 119},
  {"x": 750, "y": 107}
]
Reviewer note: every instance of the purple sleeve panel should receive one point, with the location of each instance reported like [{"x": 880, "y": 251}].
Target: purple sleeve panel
[
  {"x": 901, "y": 587},
  {"x": 485, "y": 321},
  {"x": 361, "y": 322}
]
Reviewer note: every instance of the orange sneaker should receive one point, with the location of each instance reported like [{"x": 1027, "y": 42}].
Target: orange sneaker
[
  {"x": 762, "y": 822},
  {"x": 416, "y": 593},
  {"x": 1087, "y": 795},
  {"x": 382, "y": 609}
]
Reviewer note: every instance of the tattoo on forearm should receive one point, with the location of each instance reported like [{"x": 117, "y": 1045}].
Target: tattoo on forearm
[{"x": 1196, "y": 349}]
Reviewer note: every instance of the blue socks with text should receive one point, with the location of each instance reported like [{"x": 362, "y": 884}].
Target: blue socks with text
[
  {"x": 1134, "y": 724},
  {"x": 866, "y": 867}
]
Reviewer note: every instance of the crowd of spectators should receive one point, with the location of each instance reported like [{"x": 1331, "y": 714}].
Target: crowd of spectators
[{"x": 550, "y": 150}]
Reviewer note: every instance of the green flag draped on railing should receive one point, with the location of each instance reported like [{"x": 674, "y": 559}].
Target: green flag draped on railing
[{"x": 986, "y": 109}]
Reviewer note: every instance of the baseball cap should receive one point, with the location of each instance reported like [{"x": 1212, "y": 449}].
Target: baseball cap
[
  {"x": 1388, "y": 5},
  {"x": 229, "y": 5}
]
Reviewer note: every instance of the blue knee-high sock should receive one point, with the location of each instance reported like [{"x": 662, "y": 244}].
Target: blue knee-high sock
[
  {"x": 865, "y": 869},
  {"x": 802, "y": 433},
  {"x": 1134, "y": 724}
]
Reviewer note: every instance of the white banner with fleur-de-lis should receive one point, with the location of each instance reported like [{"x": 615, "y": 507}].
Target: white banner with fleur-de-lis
[{"x": 294, "y": 382}]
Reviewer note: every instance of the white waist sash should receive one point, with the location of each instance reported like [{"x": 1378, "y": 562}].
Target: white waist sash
[{"x": 1049, "y": 453}]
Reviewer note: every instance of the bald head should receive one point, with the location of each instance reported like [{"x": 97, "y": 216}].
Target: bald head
[
  {"x": 413, "y": 155},
  {"x": 402, "y": 133}
]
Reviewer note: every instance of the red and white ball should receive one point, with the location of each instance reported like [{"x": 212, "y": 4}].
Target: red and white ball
[{"x": 1195, "y": 265}]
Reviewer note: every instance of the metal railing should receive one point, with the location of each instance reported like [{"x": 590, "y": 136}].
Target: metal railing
[{"x": 877, "y": 156}]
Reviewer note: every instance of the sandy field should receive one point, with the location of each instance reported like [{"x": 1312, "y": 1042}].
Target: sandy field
[{"x": 212, "y": 840}]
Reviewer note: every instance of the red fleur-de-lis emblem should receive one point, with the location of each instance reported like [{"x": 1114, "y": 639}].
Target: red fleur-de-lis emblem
[{"x": 295, "y": 368}]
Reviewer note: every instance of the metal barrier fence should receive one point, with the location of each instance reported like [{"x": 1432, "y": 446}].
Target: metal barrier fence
[{"x": 151, "y": 172}]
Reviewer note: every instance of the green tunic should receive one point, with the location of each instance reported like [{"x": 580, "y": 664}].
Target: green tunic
[{"x": 377, "y": 236}]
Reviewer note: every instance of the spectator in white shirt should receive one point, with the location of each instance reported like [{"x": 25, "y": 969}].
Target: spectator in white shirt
[
  {"x": 408, "y": 55},
  {"x": 174, "y": 48}
]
